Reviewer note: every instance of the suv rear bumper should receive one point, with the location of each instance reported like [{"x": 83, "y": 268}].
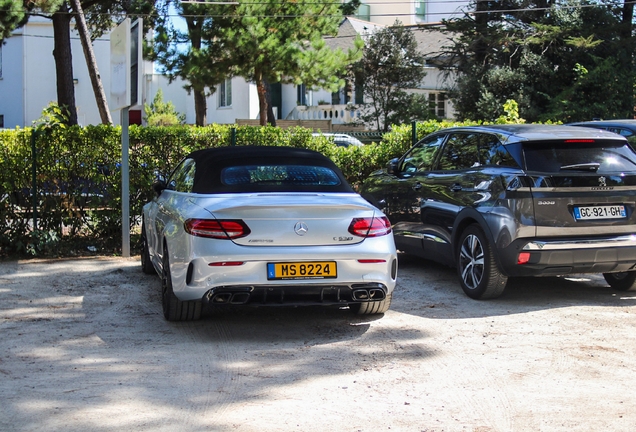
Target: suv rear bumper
[{"x": 551, "y": 257}]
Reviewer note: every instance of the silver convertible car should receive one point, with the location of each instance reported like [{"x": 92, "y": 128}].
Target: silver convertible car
[{"x": 259, "y": 226}]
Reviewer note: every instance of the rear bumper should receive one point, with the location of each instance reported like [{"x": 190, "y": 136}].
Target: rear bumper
[
  {"x": 290, "y": 295},
  {"x": 364, "y": 263},
  {"x": 550, "y": 257}
]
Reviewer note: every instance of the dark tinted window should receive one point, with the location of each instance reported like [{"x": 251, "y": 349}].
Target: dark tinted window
[
  {"x": 422, "y": 155},
  {"x": 620, "y": 131},
  {"x": 460, "y": 152},
  {"x": 492, "y": 152},
  {"x": 304, "y": 175},
  {"x": 557, "y": 156}
]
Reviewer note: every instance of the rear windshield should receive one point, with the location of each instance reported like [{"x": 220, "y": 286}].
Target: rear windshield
[
  {"x": 301, "y": 175},
  {"x": 597, "y": 156}
]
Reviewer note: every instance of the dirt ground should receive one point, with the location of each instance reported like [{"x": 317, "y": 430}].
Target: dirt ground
[{"x": 84, "y": 347}]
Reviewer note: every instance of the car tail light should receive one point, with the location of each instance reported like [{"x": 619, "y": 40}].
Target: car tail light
[
  {"x": 218, "y": 229},
  {"x": 370, "y": 227},
  {"x": 523, "y": 258},
  {"x": 371, "y": 261},
  {"x": 580, "y": 140},
  {"x": 226, "y": 263}
]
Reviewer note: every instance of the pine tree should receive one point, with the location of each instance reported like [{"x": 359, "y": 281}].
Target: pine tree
[{"x": 282, "y": 41}]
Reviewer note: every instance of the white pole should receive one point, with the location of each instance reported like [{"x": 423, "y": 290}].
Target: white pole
[{"x": 125, "y": 182}]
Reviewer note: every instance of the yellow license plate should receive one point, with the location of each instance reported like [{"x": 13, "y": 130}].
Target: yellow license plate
[{"x": 302, "y": 270}]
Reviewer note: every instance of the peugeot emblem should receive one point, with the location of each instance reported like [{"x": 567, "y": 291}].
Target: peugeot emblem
[
  {"x": 602, "y": 181},
  {"x": 301, "y": 228}
]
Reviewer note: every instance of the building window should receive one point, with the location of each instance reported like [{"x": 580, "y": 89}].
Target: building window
[
  {"x": 358, "y": 97},
  {"x": 225, "y": 93},
  {"x": 0, "y": 61},
  {"x": 364, "y": 12},
  {"x": 1, "y": 121},
  {"x": 420, "y": 10},
  {"x": 301, "y": 95},
  {"x": 437, "y": 104},
  {"x": 335, "y": 98}
]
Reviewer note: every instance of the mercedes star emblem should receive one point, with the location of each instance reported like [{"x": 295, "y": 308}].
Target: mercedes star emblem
[{"x": 300, "y": 228}]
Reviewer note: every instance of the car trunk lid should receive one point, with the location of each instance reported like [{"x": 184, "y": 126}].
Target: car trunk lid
[{"x": 296, "y": 219}]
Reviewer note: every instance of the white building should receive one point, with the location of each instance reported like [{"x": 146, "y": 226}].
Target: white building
[
  {"x": 410, "y": 12},
  {"x": 28, "y": 83}
]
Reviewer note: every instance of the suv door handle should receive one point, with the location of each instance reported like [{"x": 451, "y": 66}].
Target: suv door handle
[
  {"x": 456, "y": 187},
  {"x": 417, "y": 186}
]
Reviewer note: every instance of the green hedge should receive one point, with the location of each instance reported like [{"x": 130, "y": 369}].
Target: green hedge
[{"x": 78, "y": 181}]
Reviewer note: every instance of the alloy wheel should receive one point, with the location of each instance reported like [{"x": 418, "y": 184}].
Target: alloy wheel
[{"x": 471, "y": 261}]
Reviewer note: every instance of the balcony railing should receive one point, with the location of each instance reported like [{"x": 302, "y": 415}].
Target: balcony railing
[{"x": 338, "y": 114}]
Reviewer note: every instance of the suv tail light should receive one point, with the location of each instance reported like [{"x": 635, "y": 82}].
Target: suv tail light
[
  {"x": 370, "y": 227},
  {"x": 523, "y": 258},
  {"x": 218, "y": 229}
]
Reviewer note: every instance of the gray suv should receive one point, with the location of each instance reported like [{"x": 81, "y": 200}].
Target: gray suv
[{"x": 514, "y": 200}]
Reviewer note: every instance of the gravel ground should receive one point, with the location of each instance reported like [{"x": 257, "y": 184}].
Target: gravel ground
[{"x": 84, "y": 347}]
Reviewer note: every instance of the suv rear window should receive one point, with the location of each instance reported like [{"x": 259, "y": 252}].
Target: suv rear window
[{"x": 560, "y": 156}]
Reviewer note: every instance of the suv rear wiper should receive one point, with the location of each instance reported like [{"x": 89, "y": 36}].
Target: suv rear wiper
[{"x": 592, "y": 166}]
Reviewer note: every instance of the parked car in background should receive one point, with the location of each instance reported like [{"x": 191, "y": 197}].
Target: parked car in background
[
  {"x": 342, "y": 140},
  {"x": 265, "y": 226},
  {"x": 626, "y": 128},
  {"x": 514, "y": 200}
]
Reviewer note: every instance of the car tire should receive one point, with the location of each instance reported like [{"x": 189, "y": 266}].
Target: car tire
[
  {"x": 478, "y": 272},
  {"x": 373, "y": 307},
  {"x": 146, "y": 263},
  {"x": 622, "y": 281},
  {"x": 173, "y": 308}
]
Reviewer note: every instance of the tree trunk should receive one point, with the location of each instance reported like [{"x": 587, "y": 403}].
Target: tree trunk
[
  {"x": 271, "y": 118},
  {"x": 628, "y": 56},
  {"x": 200, "y": 107},
  {"x": 480, "y": 46},
  {"x": 628, "y": 18},
  {"x": 261, "y": 89},
  {"x": 64, "y": 63},
  {"x": 91, "y": 63},
  {"x": 195, "y": 27}
]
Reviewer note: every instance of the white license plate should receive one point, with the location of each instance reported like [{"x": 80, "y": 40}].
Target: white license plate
[{"x": 600, "y": 212}]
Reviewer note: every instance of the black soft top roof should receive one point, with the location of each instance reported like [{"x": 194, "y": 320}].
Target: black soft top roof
[{"x": 210, "y": 162}]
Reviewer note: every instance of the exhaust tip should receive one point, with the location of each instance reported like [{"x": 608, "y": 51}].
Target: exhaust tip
[
  {"x": 240, "y": 298},
  {"x": 360, "y": 295},
  {"x": 376, "y": 294},
  {"x": 371, "y": 294},
  {"x": 221, "y": 298}
]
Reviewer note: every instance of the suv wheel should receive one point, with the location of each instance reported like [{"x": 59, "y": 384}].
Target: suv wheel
[
  {"x": 478, "y": 272},
  {"x": 623, "y": 281}
]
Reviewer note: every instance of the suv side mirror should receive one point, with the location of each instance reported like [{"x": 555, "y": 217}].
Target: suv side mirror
[{"x": 392, "y": 166}]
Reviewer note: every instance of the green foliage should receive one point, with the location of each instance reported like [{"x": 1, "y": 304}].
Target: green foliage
[
  {"x": 160, "y": 113},
  {"x": 15, "y": 13},
  {"x": 574, "y": 101},
  {"x": 11, "y": 16},
  {"x": 42, "y": 242},
  {"x": 390, "y": 65},
  {"x": 263, "y": 42},
  {"x": 188, "y": 54},
  {"x": 511, "y": 109},
  {"x": 550, "y": 60},
  {"x": 53, "y": 116},
  {"x": 78, "y": 181},
  {"x": 272, "y": 41}
]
